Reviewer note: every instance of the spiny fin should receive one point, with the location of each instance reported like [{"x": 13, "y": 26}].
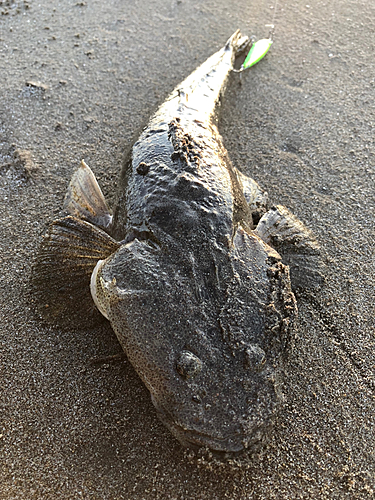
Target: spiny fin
[
  {"x": 62, "y": 271},
  {"x": 296, "y": 244},
  {"x": 84, "y": 198}
]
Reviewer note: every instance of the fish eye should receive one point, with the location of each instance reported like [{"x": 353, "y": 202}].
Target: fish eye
[{"x": 188, "y": 364}]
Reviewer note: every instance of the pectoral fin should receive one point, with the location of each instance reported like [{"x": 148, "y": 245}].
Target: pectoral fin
[
  {"x": 70, "y": 251},
  {"x": 296, "y": 244},
  {"x": 61, "y": 274}
]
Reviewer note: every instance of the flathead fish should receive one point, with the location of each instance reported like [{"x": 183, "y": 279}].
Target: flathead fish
[{"x": 188, "y": 270}]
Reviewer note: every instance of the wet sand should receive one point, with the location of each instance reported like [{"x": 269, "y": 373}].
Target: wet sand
[{"x": 78, "y": 80}]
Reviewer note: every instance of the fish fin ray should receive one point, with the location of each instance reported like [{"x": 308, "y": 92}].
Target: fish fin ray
[
  {"x": 84, "y": 198},
  {"x": 62, "y": 270},
  {"x": 296, "y": 244}
]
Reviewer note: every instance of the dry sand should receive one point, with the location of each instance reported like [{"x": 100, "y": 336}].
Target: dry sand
[{"x": 78, "y": 79}]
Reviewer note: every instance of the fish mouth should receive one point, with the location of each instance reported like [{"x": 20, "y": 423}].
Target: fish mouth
[
  {"x": 225, "y": 447},
  {"x": 231, "y": 445}
]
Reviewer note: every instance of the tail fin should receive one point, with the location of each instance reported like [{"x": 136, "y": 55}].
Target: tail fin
[{"x": 237, "y": 43}]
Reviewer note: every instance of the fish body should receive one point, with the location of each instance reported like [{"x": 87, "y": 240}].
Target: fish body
[{"x": 197, "y": 296}]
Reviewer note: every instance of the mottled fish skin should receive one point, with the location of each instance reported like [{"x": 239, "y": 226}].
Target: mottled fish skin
[
  {"x": 202, "y": 306},
  {"x": 181, "y": 150}
]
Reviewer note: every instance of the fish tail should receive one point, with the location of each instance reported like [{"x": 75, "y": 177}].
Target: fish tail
[
  {"x": 237, "y": 43},
  {"x": 69, "y": 252}
]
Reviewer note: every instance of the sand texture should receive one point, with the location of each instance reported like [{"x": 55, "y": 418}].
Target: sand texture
[{"x": 78, "y": 80}]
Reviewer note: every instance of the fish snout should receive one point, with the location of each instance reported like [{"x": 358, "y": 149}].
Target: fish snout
[{"x": 197, "y": 433}]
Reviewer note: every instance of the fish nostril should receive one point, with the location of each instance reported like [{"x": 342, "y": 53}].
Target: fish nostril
[
  {"x": 188, "y": 364},
  {"x": 255, "y": 358}
]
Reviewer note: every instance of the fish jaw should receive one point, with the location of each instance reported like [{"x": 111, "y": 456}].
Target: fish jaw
[{"x": 223, "y": 430}]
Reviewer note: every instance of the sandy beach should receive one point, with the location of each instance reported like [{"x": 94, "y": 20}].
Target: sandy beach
[{"x": 79, "y": 80}]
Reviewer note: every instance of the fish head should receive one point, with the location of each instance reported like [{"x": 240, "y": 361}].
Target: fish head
[{"x": 211, "y": 385}]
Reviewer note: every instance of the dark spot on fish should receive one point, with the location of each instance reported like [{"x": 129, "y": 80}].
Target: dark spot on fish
[
  {"x": 143, "y": 168},
  {"x": 188, "y": 364}
]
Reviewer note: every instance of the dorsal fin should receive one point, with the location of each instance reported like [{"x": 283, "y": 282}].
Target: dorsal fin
[{"x": 84, "y": 198}]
